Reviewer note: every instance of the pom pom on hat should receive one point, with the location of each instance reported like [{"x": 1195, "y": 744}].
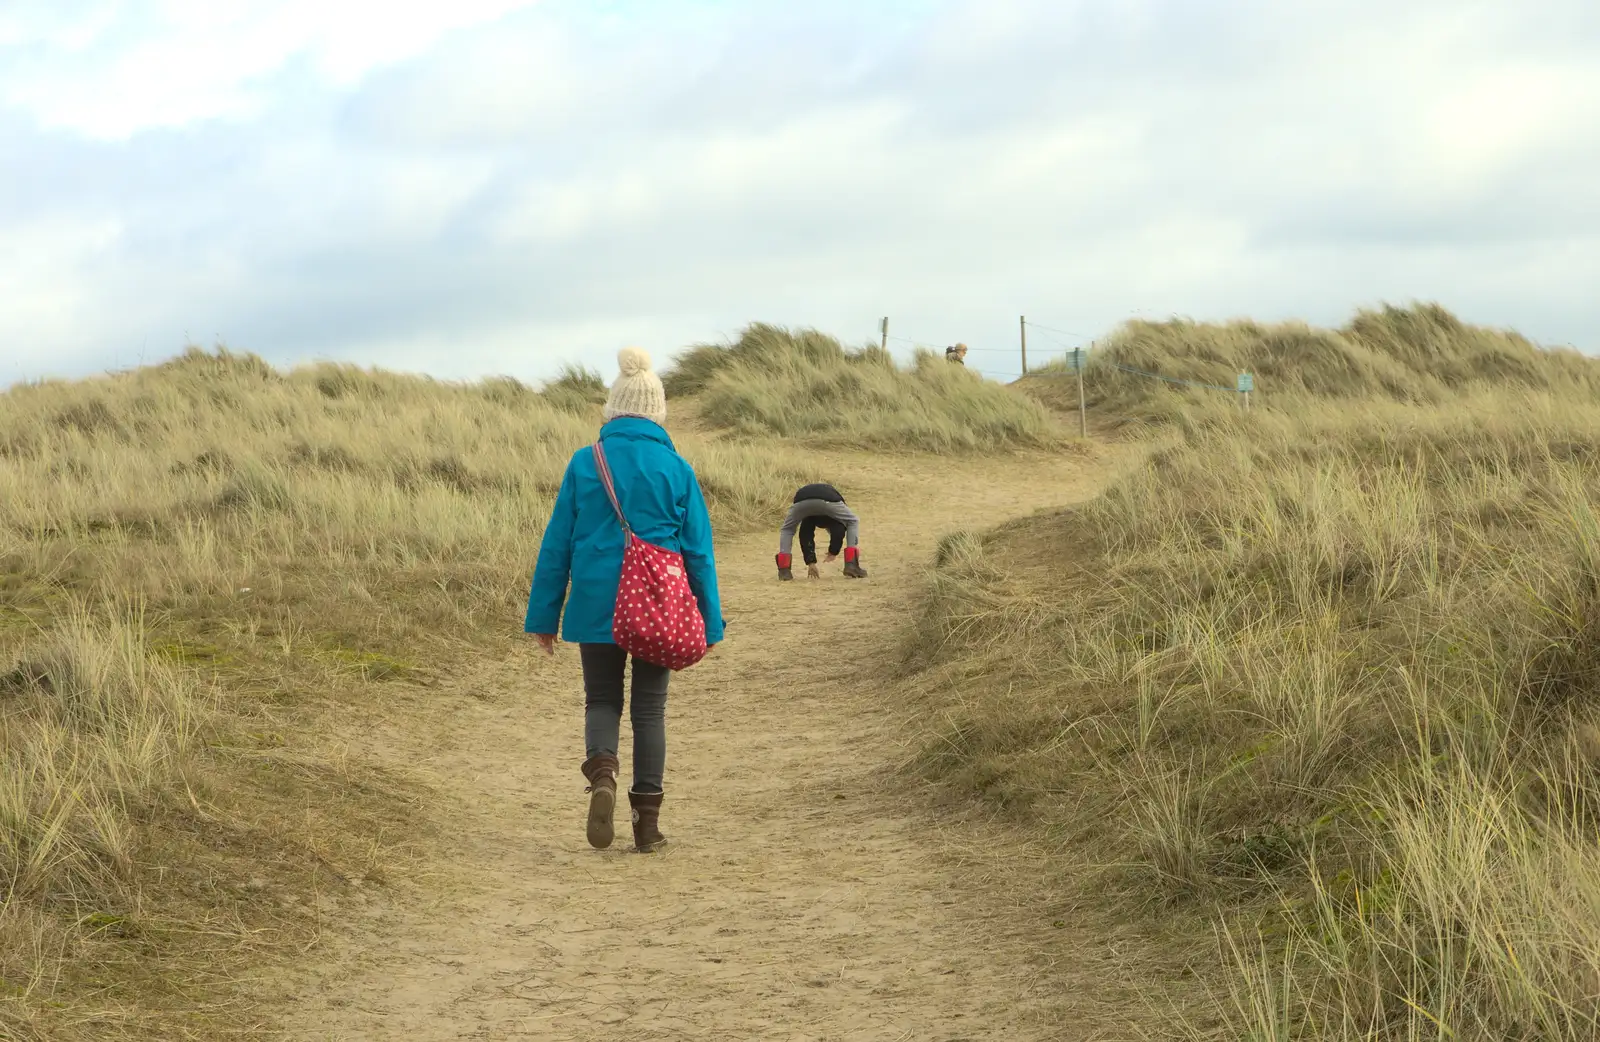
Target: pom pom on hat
[
  {"x": 637, "y": 390},
  {"x": 631, "y": 360}
]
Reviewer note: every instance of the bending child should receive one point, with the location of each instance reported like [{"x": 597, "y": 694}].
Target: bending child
[{"x": 820, "y": 505}]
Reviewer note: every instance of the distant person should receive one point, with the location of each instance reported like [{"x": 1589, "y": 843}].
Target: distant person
[
  {"x": 820, "y": 506},
  {"x": 583, "y": 543},
  {"x": 957, "y": 354}
]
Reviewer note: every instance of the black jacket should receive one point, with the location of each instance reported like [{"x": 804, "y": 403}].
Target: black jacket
[{"x": 821, "y": 490}]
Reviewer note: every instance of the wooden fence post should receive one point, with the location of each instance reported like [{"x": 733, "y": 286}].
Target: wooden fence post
[{"x": 1083, "y": 414}]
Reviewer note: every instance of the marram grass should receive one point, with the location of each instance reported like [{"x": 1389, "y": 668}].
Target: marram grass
[{"x": 1329, "y": 675}]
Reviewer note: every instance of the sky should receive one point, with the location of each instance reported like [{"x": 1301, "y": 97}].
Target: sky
[{"x": 505, "y": 186}]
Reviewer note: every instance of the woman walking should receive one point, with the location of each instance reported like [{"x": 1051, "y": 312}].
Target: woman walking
[{"x": 659, "y": 495}]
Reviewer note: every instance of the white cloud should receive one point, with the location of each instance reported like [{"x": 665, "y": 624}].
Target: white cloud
[
  {"x": 112, "y": 69},
  {"x": 46, "y": 276}
]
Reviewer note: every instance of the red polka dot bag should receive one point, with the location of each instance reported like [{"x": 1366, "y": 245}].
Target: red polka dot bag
[{"x": 657, "y": 619}]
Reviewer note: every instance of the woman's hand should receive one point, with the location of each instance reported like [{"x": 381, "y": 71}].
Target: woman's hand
[
  {"x": 547, "y": 641},
  {"x": 830, "y": 558}
]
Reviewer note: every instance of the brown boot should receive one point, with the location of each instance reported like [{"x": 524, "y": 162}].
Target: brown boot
[
  {"x": 601, "y": 770},
  {"x": 646, "y": 821}
]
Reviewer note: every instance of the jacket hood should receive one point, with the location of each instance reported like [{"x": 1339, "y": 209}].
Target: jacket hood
[{"x": 636, "y": 427}]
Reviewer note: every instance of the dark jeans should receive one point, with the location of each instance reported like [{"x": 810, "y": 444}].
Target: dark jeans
[
  {"x": 808, "y": 536},
  {"x": 602, "y": 710}
]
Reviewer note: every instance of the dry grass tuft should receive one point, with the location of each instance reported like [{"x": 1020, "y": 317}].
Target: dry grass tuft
[
  {"x": 93, "y": 730},
  {"x": 575, "y": 389},
  {"x": 100, "y": 747},
  {"x": 1330, "y": 673}
]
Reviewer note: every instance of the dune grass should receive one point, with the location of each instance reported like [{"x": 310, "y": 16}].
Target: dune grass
[
  {"x": 1327, "y": 676},
  {"x": 198, "y": 559},
  {"x": 101, "y": 757},
  {"x": 575, "y": 389},
  {"x": 183, "y": 478},
  {"x": 1419, "y": 355},
  {"x": 804, "y": 384}
]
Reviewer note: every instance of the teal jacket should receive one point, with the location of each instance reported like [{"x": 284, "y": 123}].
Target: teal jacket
[{"x": 583, "y": 542}]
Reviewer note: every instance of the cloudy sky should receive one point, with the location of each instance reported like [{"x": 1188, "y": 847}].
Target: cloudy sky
[{"x": 500, "y": 186}]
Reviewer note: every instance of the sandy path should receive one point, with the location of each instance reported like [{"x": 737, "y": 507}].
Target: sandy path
[{"x": 803, "y": 895}]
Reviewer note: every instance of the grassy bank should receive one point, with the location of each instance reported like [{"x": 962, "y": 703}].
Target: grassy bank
[
  {"x": 197, "y": 561},
  {"x": 1420, "y": 355},
  {"x": 803, "y": 384},
  {"x": 1325, "y": 678}
]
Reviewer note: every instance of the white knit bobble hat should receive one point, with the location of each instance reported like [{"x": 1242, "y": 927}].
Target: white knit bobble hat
[{"x": 637, "y": 390}]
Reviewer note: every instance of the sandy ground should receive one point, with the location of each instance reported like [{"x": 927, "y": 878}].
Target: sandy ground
[{"x": 808, "y": 893}]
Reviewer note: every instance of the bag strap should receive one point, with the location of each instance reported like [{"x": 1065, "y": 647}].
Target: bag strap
[{"x": 604, "y": 468}]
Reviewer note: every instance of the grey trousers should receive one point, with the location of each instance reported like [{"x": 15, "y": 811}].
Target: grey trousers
[
  {"x": 602, "y": 711},
  {"x": 818, "y": 508}
]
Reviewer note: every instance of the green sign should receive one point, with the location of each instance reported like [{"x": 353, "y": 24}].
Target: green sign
[
  {"x": 1247, "y": 383},
  {"x": 1077, "y": 358}
]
